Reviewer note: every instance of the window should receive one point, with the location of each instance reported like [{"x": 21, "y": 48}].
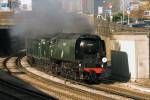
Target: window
[{"x": 147, "y": 13}]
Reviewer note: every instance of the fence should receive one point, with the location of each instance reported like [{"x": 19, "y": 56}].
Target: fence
[{"x": 107, "y": 28}]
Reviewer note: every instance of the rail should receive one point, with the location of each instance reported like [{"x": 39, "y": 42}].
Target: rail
[
  {"x": 105, "y": 87},
  {"x": 54, "y": 89},
  {"x": 35, "y": 95},
  {"x": 23, "y": 91}
]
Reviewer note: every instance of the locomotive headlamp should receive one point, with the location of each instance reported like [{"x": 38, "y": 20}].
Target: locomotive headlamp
[
  {"x": 104, "y": 60},
  {"x": 82, "y": 44},
  {"x": 64, "y": 44},
  {"x": 43, "y": 42}
]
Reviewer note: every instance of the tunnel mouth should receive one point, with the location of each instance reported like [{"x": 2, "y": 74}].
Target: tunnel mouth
[
  {"x": 10, "y": 43},
  {"x": 5, "y": 42}
]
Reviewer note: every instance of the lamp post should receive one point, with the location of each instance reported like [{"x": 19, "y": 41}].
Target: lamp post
[
  {"x": 104, "y": 9},
  {"x": 128, "y": 12},
  {"x": 10, "y": 4},
  {"x": 128, "y": 19},
  {"x": 110, "y": 11},
  {"x": 123, "y": 10}
]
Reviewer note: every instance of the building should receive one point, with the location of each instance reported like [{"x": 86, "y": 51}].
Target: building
[
  {"x": 72, "y": 5},
  {"x": 82, "y": 6},
  {"x": 25, "y": 5},
  {"x": 124, "y": 5},
  {"x": 15, "y": 5},
  {"x": 91, "y": 6},
  {"x": 145, "y": 7},
  {"x": 4, "y": 5},
  {"x": 134, "y": 6},
  {"x": 147, "y": 13}
]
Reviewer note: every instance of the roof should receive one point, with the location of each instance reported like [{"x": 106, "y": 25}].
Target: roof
[
  {"x": 65, "y": 36},
  {"x": 69, "y": 35}
]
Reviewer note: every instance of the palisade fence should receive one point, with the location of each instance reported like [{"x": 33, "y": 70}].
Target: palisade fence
[{"x": 107, "y": 28}]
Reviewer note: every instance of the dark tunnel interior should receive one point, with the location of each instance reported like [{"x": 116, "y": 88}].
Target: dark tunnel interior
[
  {"x": 5, "y": 42},
  {"x": 10, "y": 44}
]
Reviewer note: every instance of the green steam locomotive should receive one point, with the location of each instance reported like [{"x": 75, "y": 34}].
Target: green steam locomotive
[{"x": 73, "y": 55}]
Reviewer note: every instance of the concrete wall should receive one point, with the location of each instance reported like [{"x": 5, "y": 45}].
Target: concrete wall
[
  {"x": 108, "y": 48},
  {"x": 130, "y": 56},
  {"x": 142, "y": 57}
]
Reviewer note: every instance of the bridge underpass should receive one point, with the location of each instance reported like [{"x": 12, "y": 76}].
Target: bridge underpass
[
  {"x": 5, "y": 42},
  {"x": 8, "y": 42},
  {"x": 128, "y": 49},
  {"x": 6, "y": 23}
]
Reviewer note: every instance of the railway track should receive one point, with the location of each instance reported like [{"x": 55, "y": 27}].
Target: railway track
[
  {"x": 6, "y": 96},
  {"x": 54, "y": 89},
  {"x": 71, "y": 92},
  {"x": 121, "y": 91},
  {"x": 117, "y": 90},
  {"x": 113, "y": 90},
  {"x": 14, "y": 92},
  {"x": 124, "y": 92},
  {"x": 59, "y": 90}
]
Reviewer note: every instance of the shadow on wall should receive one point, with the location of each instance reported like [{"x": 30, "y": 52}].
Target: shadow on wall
[{"x": 120, "y": 67}]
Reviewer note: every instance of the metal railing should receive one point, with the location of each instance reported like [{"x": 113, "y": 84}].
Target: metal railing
[{"x": 107, "y": 28}]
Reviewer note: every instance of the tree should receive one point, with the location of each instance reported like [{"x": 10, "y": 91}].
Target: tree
[
  {"x": 117, "y": 16},
  {"x": 145, "y": 4}
]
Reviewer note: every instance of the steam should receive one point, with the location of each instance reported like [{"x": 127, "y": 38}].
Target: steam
[{"x": 47, "y": 17}]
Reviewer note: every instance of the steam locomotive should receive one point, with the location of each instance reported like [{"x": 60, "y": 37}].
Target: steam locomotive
[{"x": 73, "y": 55}]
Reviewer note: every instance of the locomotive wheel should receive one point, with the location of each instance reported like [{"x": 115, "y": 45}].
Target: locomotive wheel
[
  {"x": 91, "y": 76},
  {"x": 75, "y": 75},
  {"x": 38, "y": 63},
  {"x": 50, "y": 67},
  {"x": 41, "y": 63},
  {"x": 32, "y": 60},
  {"x": 53, "y": 69},
  {"x": 56, "y": 70},
  {"x": 29, "y": 60},
  {"x": 35, "y": 62},
  {"x": 63, "y": 72},
  {"x": 70, "y": 73}
]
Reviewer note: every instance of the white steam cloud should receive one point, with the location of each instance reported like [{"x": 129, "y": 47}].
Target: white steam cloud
[{"x": 48, "y": 16}]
